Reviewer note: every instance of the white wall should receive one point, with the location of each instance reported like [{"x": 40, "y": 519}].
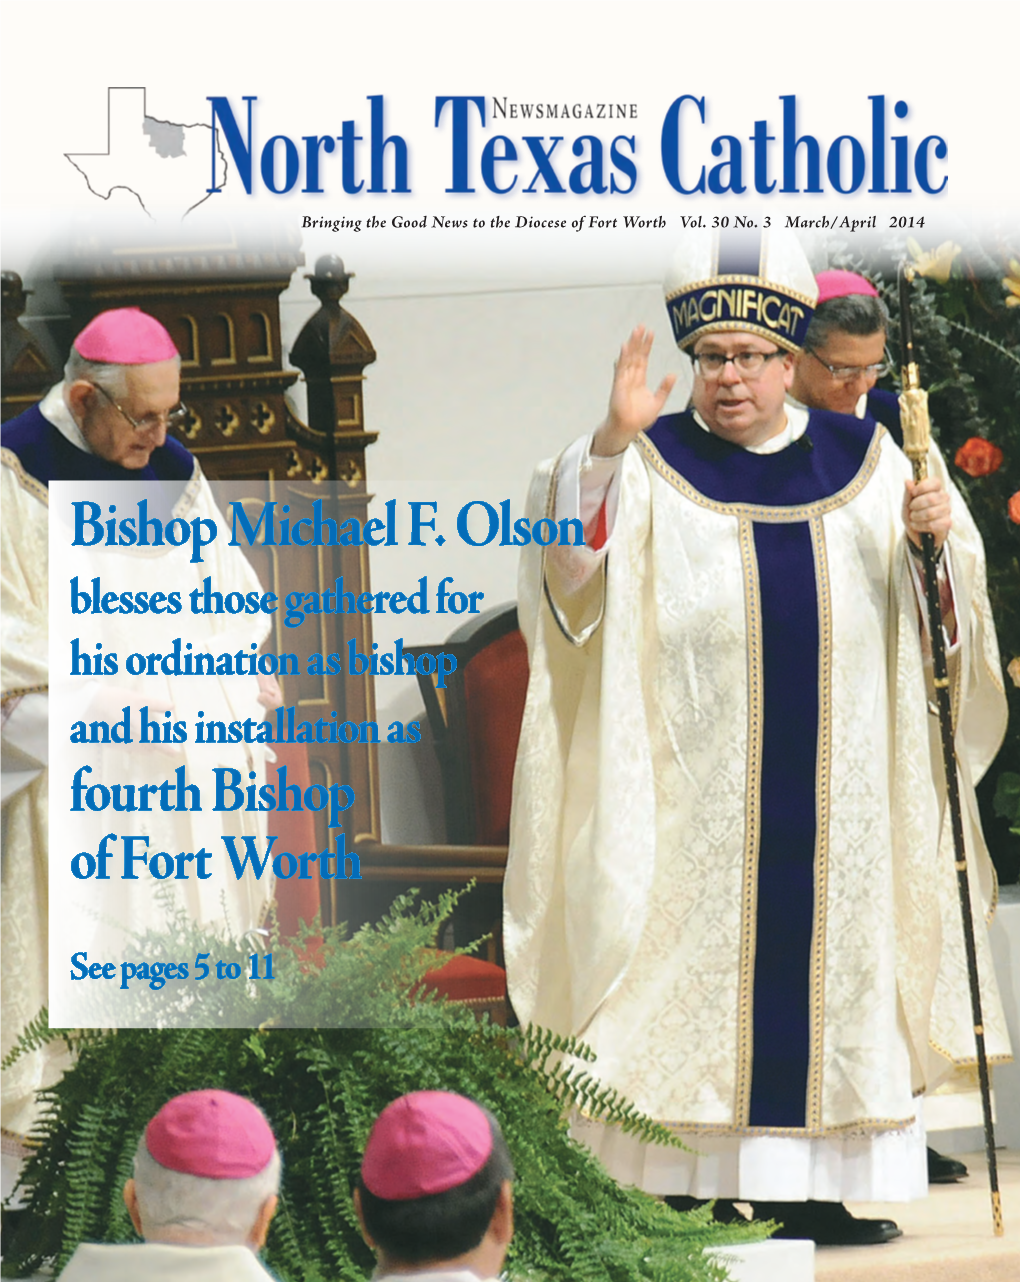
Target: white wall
[{"x": 472, "y": 387}]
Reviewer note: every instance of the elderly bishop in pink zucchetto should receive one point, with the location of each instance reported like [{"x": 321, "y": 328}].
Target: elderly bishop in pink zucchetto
[
  {"x": 111, "y": 420},
  {"x": 125, "y": 336},
  {"x": 207, "y": 1173},
  {"x": 212, "y": 1134}
]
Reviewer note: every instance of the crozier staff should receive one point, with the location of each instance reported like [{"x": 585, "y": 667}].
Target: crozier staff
[
  {"x": 916, "y": 446},
  {"x": 724, "y": 858},
  {"x": 845, "y": 353}
]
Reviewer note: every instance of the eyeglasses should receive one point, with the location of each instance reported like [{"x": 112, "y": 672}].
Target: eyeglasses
[
  {"x": 748, "y": 365},
  {"x": 847, "y": 373},
  {"x": 175, "y": 417}
]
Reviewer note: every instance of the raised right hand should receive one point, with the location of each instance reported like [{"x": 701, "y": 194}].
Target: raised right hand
[{"x": 633, "y": 405}]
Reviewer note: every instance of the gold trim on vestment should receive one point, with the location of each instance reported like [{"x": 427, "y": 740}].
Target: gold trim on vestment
[
  {"x": 996, "y": 676},
  {"x": 756, "y": 512},
  {"x": 21, "y": 691},
  {"x": 589, "y": 630},
  {"x": 993, "y": 904},
  {"x": 955, "y": 699},
  {"x": 36, "y": 488},
  {"x": 823, "y": 785},
  {"x": 867, "y": 1126},
  {"x": 191, "y": 490},
  {"x": 10, "y": 1139},
  {"x": 969, "y": 1061},
  {"x": 25, "y": 480},
  {"x": 553, "y": 487},
  {"x": 995, "y": 673},
  {"x": 752, "y": 812},
  {"x": 956, "y": 688}
]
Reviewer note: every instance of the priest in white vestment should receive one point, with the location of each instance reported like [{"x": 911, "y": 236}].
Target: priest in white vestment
[
  {"x": 107, "y": 422},
  {"x": 727, "y": 863}
]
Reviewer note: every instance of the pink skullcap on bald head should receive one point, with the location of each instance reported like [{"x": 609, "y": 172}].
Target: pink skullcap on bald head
[
  {"x": 840, "y": 284},
  {"x": 212, "y": 1134},
  {"x": 424, "y": 1143},
  {"x": 125, "y": 336}
]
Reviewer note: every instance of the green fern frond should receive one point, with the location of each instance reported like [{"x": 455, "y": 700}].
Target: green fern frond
[
  {"x": 35, "y": 1035},
  {"x": 548, "y": 1055},
  {"x": 321, "y": 1088},
  {"x": 976, "y": 334}
]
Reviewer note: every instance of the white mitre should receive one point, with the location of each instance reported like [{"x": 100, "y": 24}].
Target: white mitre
[{"x": 748, "y": 279}]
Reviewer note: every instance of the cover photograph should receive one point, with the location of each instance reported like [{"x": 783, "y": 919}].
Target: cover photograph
[{"x": 510, "y": 588}]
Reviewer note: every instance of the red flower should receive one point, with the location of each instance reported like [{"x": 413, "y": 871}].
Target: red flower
[
  {"x": 978, "y": 457},
  {"x": 1014, "y": 508}
]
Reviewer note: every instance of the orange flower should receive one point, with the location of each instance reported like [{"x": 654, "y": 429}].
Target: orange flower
[
  {"x": 978, "y": 457},
  {"x": 1014, "y": 508},
  {"x": 1013, "y": 670}
]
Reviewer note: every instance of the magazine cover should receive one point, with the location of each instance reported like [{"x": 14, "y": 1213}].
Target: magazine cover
[{"x": 671, "y": 784}]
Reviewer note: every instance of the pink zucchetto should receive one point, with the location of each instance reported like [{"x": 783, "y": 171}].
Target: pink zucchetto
[
  {"x": 840, "y": 284},
  {"x": 125, "y": 336},
  {"x": 212, "y": 1134},
  {"x": 425, "y": 1143}
]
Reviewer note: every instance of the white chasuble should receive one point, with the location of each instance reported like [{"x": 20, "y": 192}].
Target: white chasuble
[{"x": 728, "y": 869}]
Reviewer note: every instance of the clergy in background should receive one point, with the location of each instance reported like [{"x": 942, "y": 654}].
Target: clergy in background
[
  {"x": 726, "y": 863},
  {"x": 203, "y": 1194},
  {"x": 107, "y": 421},
  {"x": 435, "y": 1194}
]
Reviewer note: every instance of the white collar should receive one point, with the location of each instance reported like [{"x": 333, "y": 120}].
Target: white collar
[
  {"x": 53, "y": 408},
  {"x": 163, "y": 1262},
  {"x": 796, "y": 426}
]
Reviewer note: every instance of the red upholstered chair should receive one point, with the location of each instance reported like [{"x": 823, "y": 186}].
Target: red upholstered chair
[
  {"x": 470, "y": 981},
  {"x": 476, "y": 723}
]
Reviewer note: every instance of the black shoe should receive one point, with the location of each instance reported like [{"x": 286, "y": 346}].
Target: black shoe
[
  {"x": 944, "y": 1170},
  {"x": 825, "y": 1223},
  {"x": 723, "y": 1212}
]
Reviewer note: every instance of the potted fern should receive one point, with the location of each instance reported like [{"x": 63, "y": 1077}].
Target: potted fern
[{"x": 321, "y": 1087}]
